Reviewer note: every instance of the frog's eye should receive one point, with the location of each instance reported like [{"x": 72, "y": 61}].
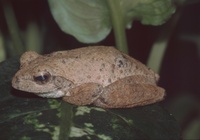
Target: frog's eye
[{"x": 42, "y": 79}]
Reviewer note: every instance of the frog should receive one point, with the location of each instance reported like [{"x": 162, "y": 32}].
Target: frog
[{"x": 100, "y": 76}]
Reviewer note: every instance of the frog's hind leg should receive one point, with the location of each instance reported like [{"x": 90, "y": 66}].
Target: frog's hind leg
[
  {"x": 130, "y": 92},
  {"x": 84, "y": 94}
]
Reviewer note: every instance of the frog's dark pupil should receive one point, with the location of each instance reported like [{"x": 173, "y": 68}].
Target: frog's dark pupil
[{"x": 42, "y": 79}]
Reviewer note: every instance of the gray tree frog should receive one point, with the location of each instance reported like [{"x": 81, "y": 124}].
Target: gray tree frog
[{"x": 98, "y": 75}]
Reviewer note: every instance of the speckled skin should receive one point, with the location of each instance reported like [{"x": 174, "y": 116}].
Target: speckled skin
[{"x": 97, "y": 75}]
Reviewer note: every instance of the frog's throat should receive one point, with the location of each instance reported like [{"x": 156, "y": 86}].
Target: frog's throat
[{"x": 53, "y": 94}]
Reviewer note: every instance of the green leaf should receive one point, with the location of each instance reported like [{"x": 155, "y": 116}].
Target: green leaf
[
  {"x": 90, "y": 21},
  {"x": 153, "y": 12},
  {"x": 85, "y": 20},
  {"x": 24, "y": 116}
]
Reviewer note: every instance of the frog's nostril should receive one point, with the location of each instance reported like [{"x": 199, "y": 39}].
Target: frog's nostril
[{"x": 16, "y": 80}]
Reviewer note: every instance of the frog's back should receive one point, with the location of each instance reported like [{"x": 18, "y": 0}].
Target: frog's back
[{"x": 100, "y": 64}]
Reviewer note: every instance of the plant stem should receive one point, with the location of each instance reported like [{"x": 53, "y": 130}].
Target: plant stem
[
  {"x": 12, "y": 27},
  {"x": 156, "y": 55},
  {"x": 65, "y": 120},
  {"x": 118, "y": 25},
  {"x": 159, "y": 47}
]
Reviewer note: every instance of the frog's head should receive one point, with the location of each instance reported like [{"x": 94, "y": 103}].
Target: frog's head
[{"x": 39, "y": 75}]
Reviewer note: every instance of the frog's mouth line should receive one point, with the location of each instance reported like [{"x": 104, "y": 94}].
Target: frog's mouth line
[{"x": 53, "y": 94}]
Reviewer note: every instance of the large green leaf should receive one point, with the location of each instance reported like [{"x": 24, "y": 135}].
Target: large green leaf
[
  {"x": 90, "y": 20},
  {"x": 24, "y": 116}
]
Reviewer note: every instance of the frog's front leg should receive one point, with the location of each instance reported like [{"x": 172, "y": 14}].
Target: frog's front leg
[
  {"x": 84, "y": 94},
  {"x": 129, "y": 92}
]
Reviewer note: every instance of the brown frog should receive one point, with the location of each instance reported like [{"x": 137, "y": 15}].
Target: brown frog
[{"x": 98, "y": 75}]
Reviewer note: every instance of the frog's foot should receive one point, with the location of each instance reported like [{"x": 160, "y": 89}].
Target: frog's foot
[
  {"x": 84, "y": 94},
  {"x": 126, "y": 93}
]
